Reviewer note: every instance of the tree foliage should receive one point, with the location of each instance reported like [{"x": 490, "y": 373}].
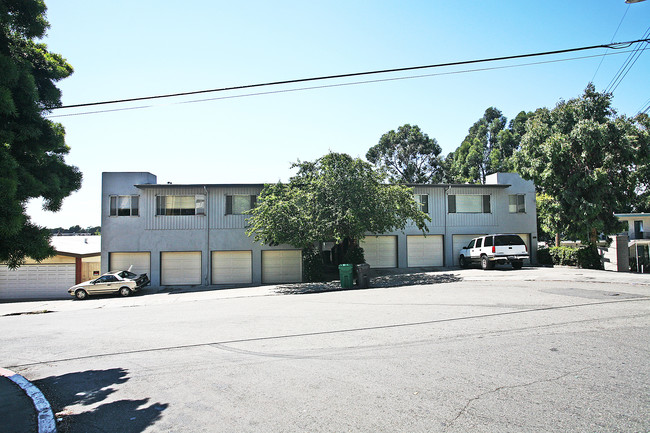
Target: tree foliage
[
  {"x": 408, "y": 156},
  {"x": 487, "y": 148},
  {"x": 32, "y": 148},
  {"x": 588, "y": 160},
  {"x": 333, "y": 198}
]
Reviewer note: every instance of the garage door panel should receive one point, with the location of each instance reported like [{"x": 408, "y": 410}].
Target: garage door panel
[
  {"x": 459, "y": 242},
  {"x": 140, "y": 262},
  {"x": 282, "y": 266},
  {"x": 36, "y": 281},
  {"x": 380, "y": 251},
  {"x": 526, "y": 238},
  {"x": 182, "y": 268},
  {"x": 230, "y": 267},
  {"x": 425, "y": 250}
]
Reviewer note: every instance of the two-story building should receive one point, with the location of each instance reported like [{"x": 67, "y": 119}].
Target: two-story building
[
  {"x": 638, "y": 232},
  {"x": 195, "y": 234}
]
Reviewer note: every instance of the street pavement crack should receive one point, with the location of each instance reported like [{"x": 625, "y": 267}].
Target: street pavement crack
[{"x": 463, "y": 410}]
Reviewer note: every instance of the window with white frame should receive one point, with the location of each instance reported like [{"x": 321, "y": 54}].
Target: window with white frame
[
  {"x": 175, "y": 205},
  {"x": 239, "y": 204},
  {"x": 124, "y": 205},
  {"x": 423, "y": 202},
  {"x": 469, "y": 203},
  {"x": 517, "y": 203}
]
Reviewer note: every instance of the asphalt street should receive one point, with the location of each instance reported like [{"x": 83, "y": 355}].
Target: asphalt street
[{"x": 511, "y": 351}]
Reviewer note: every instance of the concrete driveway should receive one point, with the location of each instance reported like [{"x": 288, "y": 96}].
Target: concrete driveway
[{"x": 456, "y": 350}]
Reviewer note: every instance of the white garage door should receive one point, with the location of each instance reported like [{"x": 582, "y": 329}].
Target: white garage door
[
  {"x": 281, "y": 266},
  {"x": 141, "y": 262},
  {"x": 424, "y": 250},
  {"x": 232, "y": 267},
  {"x": 526, "y": 238},
  {"x": 182, "y": 268},
  {"x": 380, "y": 251},
  {"x": 459, "y": 242},
  {"x": 37, "y": 281}
]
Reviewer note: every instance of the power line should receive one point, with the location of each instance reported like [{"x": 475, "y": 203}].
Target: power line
[
  {"x": 326, "y": 86},
  {"x": 644, "y": 107},
  {"x": 613, "y": 36},
  {"x": 619, "y": 45},
  {"x": 625, "y": 68}
]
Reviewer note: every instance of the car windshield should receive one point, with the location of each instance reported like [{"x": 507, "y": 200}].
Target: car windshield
[
  {"x": 127, "y": 274},
  {"x": 505, "y": 240}
]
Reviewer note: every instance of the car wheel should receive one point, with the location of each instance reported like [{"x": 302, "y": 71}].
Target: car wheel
[
  {"x": 462, "y": 262},
  {"x": 517, "y": 265},
  {"x": 80, "y": 294},
  {"x": 125, "y": 291},
  {"x": 486, "y": 264}
]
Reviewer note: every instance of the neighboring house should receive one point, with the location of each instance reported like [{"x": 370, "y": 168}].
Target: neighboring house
[
  {"x": 76, "y": 260},
  {"x": 638, "y": 232},
  {"x": 195, "y": 234}
]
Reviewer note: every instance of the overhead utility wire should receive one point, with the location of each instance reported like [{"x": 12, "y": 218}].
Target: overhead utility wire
[
  {"x": 623, "y": 70},
  {"x": 618, "y": 45},
  {"x": 327, "y": 86},
  {"x": 613, "y": 36},
  {"x": 644, "y": 108}
]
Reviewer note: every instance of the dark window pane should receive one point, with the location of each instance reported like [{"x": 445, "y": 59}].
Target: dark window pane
[
  {"x": 507, "y": 240},
  {"x": 452, "y": 203}
]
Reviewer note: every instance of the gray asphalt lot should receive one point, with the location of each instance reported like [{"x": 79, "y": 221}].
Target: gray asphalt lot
[{"x": 454, "y": 350}]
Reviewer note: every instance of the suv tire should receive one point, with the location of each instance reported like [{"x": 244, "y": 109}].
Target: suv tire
[{"x": 486, "y": 264}]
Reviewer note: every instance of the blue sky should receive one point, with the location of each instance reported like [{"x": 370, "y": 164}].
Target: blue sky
[{"x": 122, "y": 49}]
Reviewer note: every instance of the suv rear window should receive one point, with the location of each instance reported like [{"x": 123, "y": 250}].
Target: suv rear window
[
  {"x": 506, "y": 240},
  {"x": 488, "y": 241}
]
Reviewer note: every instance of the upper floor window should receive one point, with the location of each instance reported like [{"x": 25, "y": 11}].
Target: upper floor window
[
  {"x": 469, "y": 203},
  {"x": 124, "y": 205},
  {"x": 517, "y": 203},
  {"x": 423, "y": 202},
  {"x": 240, "y": 204},
  {"x": 180, "y": 204}
]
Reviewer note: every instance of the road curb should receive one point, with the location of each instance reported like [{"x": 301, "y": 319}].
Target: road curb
[{"x": 46, "y": 422}]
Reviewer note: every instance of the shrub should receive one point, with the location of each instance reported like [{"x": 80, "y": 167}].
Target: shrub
[
  {"x": 583, "y": 257},
  {"x": 564, "y": 256},
  {"x": 354, "y": 255},
  {"x": 313, "y": 266},
  {"x": 589, "y": 257}
]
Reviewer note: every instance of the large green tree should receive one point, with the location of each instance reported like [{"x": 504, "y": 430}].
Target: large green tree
[
  {"x": 32, "y": 148},
  {"x": 334, "y": 198},
  {"x": 587, "y": 160},
  {"x": 407, "y": 155},
  {"x": 487, "y": 148}
]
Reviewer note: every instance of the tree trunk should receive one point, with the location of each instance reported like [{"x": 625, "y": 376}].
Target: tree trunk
[{"x": 557, "y": 239}]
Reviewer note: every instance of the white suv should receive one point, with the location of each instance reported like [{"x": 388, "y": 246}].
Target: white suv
[{"x": 491, "y": 249}]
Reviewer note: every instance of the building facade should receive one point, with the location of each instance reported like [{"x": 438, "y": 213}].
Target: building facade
[{"x": 195, "y": 234}]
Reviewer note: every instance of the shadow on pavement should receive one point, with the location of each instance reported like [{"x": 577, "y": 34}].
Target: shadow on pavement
[
  {"x": 72, "y": 395},
  {"x": 380, "y": 281}
]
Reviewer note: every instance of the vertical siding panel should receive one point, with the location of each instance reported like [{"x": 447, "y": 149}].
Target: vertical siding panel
[{"x": 436, "y": 205}]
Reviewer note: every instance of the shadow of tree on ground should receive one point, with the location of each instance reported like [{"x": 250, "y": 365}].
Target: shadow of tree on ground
[
  {"x": 381, "y": 279},
  {"x": 66, "y": 393}
]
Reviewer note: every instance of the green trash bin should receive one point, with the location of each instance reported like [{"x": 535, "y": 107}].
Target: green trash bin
[{"x": 345, "y": 272}]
